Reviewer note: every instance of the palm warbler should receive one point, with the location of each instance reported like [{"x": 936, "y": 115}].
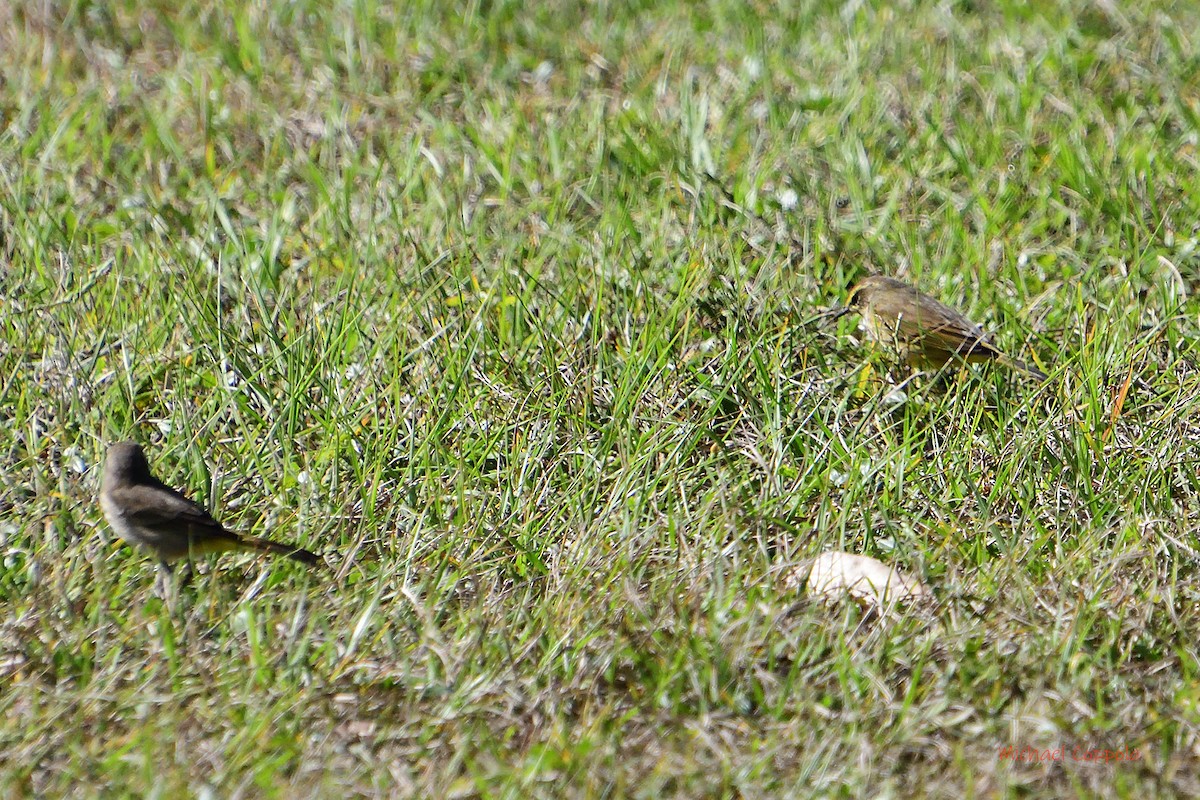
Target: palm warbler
[
  {"x": 925, "y": 331},
  {"x": 147, "y": 513}
]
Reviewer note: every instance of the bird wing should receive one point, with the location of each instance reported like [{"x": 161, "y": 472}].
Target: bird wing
[
  {"x": 940, "y": 327},
  {"x": 160, "y": 507}
]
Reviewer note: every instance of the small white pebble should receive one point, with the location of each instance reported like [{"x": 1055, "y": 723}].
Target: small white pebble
[
  {"x": 241, "y": 621},
  {"x": 74, "y": 460}
]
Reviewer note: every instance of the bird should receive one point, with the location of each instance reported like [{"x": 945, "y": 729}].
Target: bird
[
  {"x": 147, "y": 513},
  {"x": 926, "y": 331}
]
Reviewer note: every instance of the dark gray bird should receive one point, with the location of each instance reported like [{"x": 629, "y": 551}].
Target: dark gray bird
[{"x": 145, "y": 512}]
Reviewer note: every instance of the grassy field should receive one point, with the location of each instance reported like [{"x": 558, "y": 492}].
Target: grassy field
[{"x": 517, "y": 316}]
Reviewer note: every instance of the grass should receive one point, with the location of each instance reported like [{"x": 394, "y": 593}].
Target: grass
[{"x": 448, "y": 295}]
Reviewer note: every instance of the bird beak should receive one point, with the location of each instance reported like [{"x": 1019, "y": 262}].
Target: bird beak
[
  {"x": 830, "y": 315},
  {"x": 837, "y": 312}
]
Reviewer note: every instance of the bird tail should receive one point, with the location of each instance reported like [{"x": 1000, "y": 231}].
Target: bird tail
[
  {"x": 1027, "y": 368},
  {"x": 267, "y": 546}
]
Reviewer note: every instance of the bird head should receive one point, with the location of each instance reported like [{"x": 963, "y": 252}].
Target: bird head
[{"x": 126, "y": 462}]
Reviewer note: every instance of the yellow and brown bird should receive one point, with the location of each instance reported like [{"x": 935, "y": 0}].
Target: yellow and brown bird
[
  {"x": 147, "y": 513},
  {"x": 924, "y": 331}
]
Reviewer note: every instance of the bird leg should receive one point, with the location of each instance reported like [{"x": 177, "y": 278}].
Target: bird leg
[{"x": 164, "y": 585}]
